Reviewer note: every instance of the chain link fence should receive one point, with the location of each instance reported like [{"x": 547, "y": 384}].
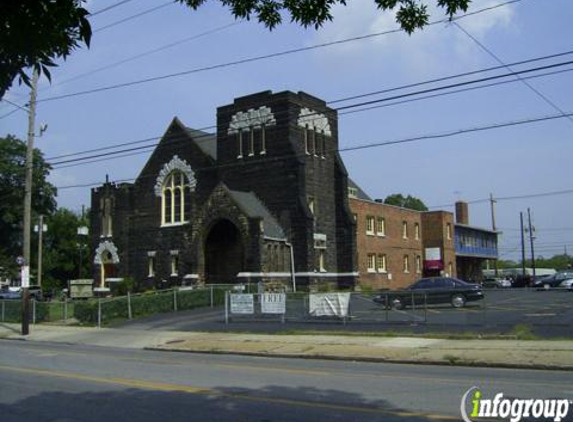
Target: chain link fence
[
  {"x": 106, "y": 310},
  {"x": 548, "y": 313}
]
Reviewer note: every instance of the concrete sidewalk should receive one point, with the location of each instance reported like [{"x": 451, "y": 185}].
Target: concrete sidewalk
[{"x": 501, "y": 353}]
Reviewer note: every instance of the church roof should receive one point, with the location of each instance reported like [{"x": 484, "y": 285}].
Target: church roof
[
  {"x": 253, "y": 207},
  {"x": 206, "y": 141},
  {"x": 360, "y": 194}
]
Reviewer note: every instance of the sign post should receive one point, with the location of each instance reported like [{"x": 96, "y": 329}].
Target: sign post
[{"x": 24, "y": 284}]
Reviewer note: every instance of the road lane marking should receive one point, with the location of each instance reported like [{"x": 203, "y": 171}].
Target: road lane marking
[
  {"x": 302, "y": 372},
  {"x": 160, "y": 386}
]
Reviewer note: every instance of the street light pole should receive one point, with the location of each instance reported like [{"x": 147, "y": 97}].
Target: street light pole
[{"x": 28, "y": 201}]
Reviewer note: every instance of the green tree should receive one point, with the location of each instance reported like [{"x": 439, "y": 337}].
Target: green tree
[
  {"x": 61, "y": 258},
  {"x": 36, "y": 33},
  {"x": 411, "y": 14},
  {"x": 12, "y": 180},
  {"x": 557, "y": 262},
  {"x": 409, "y": 202}
]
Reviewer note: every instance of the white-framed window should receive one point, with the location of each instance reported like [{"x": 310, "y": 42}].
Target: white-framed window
[
  {"x": 381, "y": 226},
  {"x": 404, "y": 230},
  {"x": 175, "y": 199},
  {"x": 352, "y": 192},
  {"x": 418, "y": 264},
  {"x": 263, "y": 141},
  {"x": 371, "y": 263},
  {"x": 174, "y": 263},
  {"x": 311, "y": 202},
  {"x": 381, "y": 264},
  {"x": 448, "y": 231},
  {"x": 306, "y": 139},
  {"x": 370, "y": 225},
  {"x": 251, "y": 142},
  {"x": 150, "y": 265},
  {"x": 240, "y": 142},
  {"x": 322, "y": 260},
  {"x": 106, "y": 216},
  {"x": 312, "y": 136},
  {"x": 417, "y": 231},
  {"x": 322, "y": 144},
  {"x": 406, "y": 262}
]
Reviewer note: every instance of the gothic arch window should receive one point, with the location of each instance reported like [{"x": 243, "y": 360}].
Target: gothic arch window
[
  {"x": 106, "y": 207},
  {"x": 175, "y": 199},
  {"x": 174, "y": 185},
  {"x": 250, "y": 127}
]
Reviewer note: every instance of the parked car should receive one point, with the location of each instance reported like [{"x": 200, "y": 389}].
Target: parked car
[
  {"x": 9, "y": 294},
  {"x": 496, "y": 283},
  {"x": 553, "y": 280},
  {"x": 16, "y": 293},
  {"x": 432, "y": 290},
  {"x": 568, "y": 284}
]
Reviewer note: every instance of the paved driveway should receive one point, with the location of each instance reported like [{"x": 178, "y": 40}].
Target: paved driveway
[{"x": 546, "y": 313}]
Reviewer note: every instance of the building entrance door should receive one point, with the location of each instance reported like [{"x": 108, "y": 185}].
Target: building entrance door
[{"x": 223, "y": 253}]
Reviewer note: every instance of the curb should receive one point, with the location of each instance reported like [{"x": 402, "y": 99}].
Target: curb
[{"x": 461, "y": 363}]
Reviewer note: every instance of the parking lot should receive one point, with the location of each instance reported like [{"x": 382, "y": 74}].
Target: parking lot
[{"x": 546, "y": 313}]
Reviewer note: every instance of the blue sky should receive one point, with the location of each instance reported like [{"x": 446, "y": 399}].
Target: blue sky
[{"x": 512, "y": 161}]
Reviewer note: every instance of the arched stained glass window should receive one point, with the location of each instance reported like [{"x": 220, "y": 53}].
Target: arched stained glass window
[{"x": 175, "y": 199}]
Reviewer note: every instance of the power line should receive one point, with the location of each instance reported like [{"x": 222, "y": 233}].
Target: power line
[
  {"x": 15, "y": 105},
  {"x": 343, "y": 107},
  {"x": 497, "y": 59},
  {"x": 489, "y": 78},
  {"x": 137, "y": 15},
  {"x": 537, "y": 229},
  {"x": 515, "y": 197},
  {"x": 105, "y": 9},
  {"x": 456, "y": 91},
  {"x": 146, "y": 53},
  {"x": 258, "y": 58},
  {"x": 442, "y": 135},
  {"x": 9, "y": 113}
]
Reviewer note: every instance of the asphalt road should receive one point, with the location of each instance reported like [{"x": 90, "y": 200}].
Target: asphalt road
[
  {"x": 60, "y": 383},
  {"x": 548, "y": 314}
]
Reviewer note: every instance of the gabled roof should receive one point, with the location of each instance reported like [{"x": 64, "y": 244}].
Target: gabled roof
[
  {"x": 207, "y": 142},
  {"x": 253, "y": 207},
  {"x": 360, "y": 194}
]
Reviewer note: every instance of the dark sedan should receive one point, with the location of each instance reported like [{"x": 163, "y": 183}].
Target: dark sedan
[
  {"x": 553, "y": 280},
  {"x": 432, "y": 290}
]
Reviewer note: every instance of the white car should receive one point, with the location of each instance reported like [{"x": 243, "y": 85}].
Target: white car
[{"x": 568, "y": 284}]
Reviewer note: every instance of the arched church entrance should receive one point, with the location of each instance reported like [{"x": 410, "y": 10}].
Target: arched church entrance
[{"x": 223, "y": 253}]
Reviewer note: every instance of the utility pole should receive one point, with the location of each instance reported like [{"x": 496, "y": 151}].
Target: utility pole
[
  {"x": 522, "y": 246},
  {"x": 82, "y": 232},
  {"x": 40, "y": 245},
  {"x": 531, "y": 238},
  {"x": 28, "y": 200},
  {"x": 492, "y": 203}
]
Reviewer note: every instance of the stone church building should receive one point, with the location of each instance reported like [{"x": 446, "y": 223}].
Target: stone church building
[{"x": 268, "y": 188}]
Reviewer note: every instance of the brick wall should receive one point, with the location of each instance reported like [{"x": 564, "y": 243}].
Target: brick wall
[
  {"x": 393, "y": 244},
  {"x": 436, "y": 234}
]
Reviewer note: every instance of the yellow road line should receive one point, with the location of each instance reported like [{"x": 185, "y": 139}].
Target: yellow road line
[
  {"x": 304, "y": 372},
  {"x": 159, "y": 386}
]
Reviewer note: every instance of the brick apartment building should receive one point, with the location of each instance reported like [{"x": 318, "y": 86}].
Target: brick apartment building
[
  {"x": 397, "y": 246},
  {"x": 388, "y": 242}
]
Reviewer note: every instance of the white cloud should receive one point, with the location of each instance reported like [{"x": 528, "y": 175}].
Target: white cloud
[{"x": 433, "y": 48}]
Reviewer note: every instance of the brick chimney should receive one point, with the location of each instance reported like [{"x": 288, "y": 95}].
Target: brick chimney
[{"x": 462, "y": 213}]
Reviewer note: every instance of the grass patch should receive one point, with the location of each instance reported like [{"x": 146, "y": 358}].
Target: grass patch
[
  {"x": 524, "y": 332},
  {"x": 521, "y": 334}
]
